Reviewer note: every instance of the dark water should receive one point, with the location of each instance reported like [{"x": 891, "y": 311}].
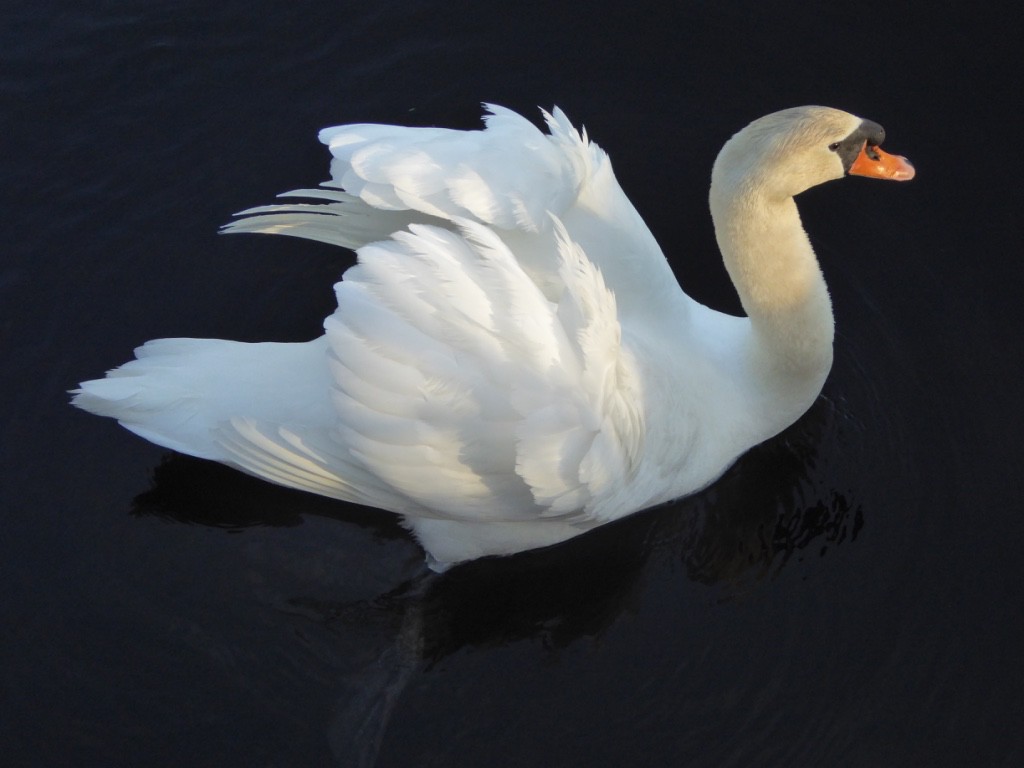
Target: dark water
[{"x": 848, "y": 595}]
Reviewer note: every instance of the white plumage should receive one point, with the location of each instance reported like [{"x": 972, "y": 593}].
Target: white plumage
[{"x": 511, "y": 362}]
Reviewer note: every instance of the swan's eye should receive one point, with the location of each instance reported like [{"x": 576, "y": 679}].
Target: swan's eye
[{"x": 834, "y": 146}]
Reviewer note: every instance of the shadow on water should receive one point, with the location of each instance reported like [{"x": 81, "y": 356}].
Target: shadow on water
[{"x": 773, "y": 505}]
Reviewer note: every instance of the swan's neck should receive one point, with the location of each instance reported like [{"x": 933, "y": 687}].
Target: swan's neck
[{"x": 771, "y": 263}]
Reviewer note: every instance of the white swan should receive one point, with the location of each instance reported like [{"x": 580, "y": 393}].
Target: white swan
[{"x": 512, "y": 362}]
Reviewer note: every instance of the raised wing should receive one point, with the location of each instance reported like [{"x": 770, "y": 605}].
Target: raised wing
[{"x": 477, "y": 365}]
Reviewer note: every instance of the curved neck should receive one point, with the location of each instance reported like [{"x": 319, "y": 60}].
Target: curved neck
[{"x": 773, "y": 267}]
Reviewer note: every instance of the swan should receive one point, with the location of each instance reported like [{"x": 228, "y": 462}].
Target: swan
[{"x": 512, "y": 362}]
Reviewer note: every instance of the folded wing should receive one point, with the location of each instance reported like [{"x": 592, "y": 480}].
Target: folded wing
[{"x": 462, "y": 389}]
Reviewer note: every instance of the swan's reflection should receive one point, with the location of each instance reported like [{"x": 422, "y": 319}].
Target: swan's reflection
[{"x": 773, "y": 505}]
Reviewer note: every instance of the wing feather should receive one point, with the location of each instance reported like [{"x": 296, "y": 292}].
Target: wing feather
[{"x": 509, "y": 175}]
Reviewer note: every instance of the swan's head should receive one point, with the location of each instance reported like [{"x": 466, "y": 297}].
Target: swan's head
[{"x": 787, "y": 152}]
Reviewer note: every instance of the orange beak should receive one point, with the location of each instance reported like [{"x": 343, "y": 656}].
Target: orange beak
[{"x": 873, "y": 162}]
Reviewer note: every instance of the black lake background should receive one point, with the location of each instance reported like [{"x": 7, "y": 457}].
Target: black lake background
[{"x": 848, "y": 595}]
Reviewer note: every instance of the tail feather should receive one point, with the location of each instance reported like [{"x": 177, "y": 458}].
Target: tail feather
[{"x": 178, "y": 392}]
